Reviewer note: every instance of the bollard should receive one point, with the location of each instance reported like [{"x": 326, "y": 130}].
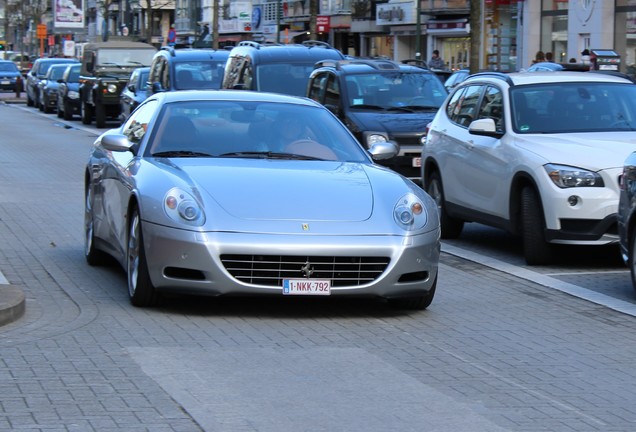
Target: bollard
[{"x": 18, "y": 86}]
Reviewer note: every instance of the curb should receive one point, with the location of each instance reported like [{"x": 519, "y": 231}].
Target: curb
[{"x": 12, "y": 304}]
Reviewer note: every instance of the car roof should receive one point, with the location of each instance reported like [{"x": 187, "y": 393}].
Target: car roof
[
  {"x": 280, "y": 53},
  {"x": 356, "y": 66},
  {"x": 184, "y": 54},
  {"x": 233, "y": 95},
  {"x": 527, "y": 78}
]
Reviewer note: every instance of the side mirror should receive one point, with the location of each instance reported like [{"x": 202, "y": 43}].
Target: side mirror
[
  {"x": 384, "y": 150},
  {"x": 131, "y": 87},
  {"x": 116, "y": 142},
  {"x": 484, "y": 127}
]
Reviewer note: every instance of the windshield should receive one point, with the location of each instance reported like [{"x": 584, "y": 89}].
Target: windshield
[
  {"x": 574, "y": 107},
  {"x": 395, "y": 89},
  {"x": 206, "y": 74},
  {"x": 248, "y": 129},
  {"x": 125, "y": 57},
  {"x": 288, "y": 78},
  {"x": 8, "y": 67}
]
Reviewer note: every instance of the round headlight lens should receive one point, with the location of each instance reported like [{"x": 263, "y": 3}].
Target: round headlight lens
[
  {"x": 112, "y": 88},
  {"x": 181, "y": 207}
]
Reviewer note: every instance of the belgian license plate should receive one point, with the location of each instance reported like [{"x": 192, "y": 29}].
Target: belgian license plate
[
  {"x": 306, "y": 287},
  {"x": 417, "y": 162},
  {"x": 6, "y": 82}
]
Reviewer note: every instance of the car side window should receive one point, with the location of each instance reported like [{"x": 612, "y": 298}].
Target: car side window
[
  {"x": 317, "y": 88},
  {"x": 136, "y": 126},
  {"x": 332, "y": 92},
  {"x": 465, "y": 108},
  {"x": 492, "y": 106}
]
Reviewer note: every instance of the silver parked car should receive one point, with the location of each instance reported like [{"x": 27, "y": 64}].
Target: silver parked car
[{"x": 232, "y": 192}]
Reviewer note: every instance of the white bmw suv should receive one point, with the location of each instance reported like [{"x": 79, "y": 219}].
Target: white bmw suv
[{"x": 538, "y": 154}]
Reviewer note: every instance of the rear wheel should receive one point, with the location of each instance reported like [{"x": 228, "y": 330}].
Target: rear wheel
[
  {"x": 451, "y": 227},
  {"x": 100, "y": 116},
  {"x": 140, "y": 289},
  {"x": 535, "y": 248}
]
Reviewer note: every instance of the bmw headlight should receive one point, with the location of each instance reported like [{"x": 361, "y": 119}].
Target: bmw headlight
[
  {"x": 375, "y": 137},
  {"x": 111, "y": 88},
  {"x": 567, "y": 177},
  {"x": 73, "y": 94},
  {"x": 409, "y": 213},
  {"x": 181, "y": 207}
]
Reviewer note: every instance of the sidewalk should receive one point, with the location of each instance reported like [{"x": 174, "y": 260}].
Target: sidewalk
[{"x": 12, "y": 301}]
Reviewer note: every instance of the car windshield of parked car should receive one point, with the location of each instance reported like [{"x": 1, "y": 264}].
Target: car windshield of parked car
[
  {"x": 567, "y": 107},
  {"x": 56, "y": 73},
  {"x": 8, "y": 67},
  {"x": 287, "y": 78},
  {"x": 395, "y": 90},
  {"x": 248, "y": 129},
  {"x": 124, "y": 57},
  {"x": 191, "y": 75}
]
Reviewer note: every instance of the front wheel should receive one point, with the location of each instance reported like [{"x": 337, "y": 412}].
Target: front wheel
[
  {"x": 87, "y": 113},
  {"x": 415, "y": 303},
  {"x": 94, "y": 256},
  {"x": 100, "y": 116},
  {"x": 451, "y": 227},
  {"x": 68, "y": 114},
  {"x": 536, "y": 249},
  {"x": 140, "y": 289}
]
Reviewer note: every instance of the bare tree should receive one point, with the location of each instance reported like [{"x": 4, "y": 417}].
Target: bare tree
[
  {"x": 313, "y": 12},
  {"x": 475, "y": 34}
]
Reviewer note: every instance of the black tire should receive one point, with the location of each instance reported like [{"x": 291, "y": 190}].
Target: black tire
[
  {"x": 87, "y": 113},
  {"x": 41, "y": 103},
  {"x": 536, "y": 249},
  {"x": 451, "y": 227},
  {"x": 67, "y": 113},
  {"x": 140, "y": 289},
  {"x": 29, "y": 101},
  {"x": 632, "y": 257},
  {"x": 94, "y": 256},
  {"x": 415, "y": 303},
  {"x": 100, "y": 116},
  {"x": 59, "y": 112}
]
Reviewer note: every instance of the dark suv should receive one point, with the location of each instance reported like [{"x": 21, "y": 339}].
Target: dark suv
[
  {"x": 381, "y": 100},
  {"x": 275, "y": 68},
  {"x": 106, "y": 68},
  {"x": 186, "y": 69}
]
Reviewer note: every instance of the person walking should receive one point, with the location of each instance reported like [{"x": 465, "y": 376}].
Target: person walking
[{"x": 436, "y": 61}]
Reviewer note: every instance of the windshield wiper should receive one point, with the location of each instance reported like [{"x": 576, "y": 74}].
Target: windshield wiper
[
  {"x": 268, "y": 155},
  {"x": 421, "y": 107},
  {"x": 181, "y": 153},
  {"x": 135, "y": 62},
  {"x": 111, "y": 64},
  {"x": 367, "y": 106}
]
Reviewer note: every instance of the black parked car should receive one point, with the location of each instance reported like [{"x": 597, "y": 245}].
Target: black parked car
[
  {"x": 627, "y": 215},
  {"x": 36, "y": 74},
  {"x": 68, "y": 101},
  {"x": 381, "y": 100},
  {"x": 135, "y": 92},
  {"x": 48, "y": 88}
]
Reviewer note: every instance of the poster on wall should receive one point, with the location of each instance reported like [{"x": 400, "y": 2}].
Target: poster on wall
[{"x": 68, "y": 14}]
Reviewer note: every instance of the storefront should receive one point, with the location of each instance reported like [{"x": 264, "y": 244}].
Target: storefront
[
  {"x": 452, "y": 39},
  {"x": 501, "y": 19}
]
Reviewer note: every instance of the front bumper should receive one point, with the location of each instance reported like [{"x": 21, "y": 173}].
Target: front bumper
[{"x": 190, "y": 262}]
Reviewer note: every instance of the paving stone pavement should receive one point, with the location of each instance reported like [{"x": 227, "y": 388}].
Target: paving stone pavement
[{"x": 493, "y": 352}]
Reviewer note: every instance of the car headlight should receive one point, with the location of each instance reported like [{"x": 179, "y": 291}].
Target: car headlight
[
  {"x": 409, "y": 212},
  {"x": 567, "y": 177},
  {"x": 111, "y": 88},
  {"x": 181, "y": 207},
  {"x": 375, "y": 137},
  {"x": 73, "y": 94}
]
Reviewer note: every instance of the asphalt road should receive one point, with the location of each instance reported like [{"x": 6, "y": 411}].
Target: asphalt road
[{"x": 496, "y": 351}]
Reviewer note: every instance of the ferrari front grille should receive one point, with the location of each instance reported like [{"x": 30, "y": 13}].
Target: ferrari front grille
[{"x": 271, "y": 270}]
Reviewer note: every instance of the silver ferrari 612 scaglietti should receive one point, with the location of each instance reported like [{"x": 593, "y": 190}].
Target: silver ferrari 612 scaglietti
[{"x": 234, "y": 192}]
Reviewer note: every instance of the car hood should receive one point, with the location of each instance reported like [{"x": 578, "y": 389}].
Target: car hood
[
  {"x": 284, "y": 190},
  {"x": 595, "y": 151},
  {"x": 9, "y": 74},
  {"x": 391, "y": 121}
]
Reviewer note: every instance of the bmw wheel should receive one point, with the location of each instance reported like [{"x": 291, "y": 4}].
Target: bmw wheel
[
  {"x": 140, "y": 289},
  {"x": 536, "y": 249},
  {"x": 451, "y": 227}
]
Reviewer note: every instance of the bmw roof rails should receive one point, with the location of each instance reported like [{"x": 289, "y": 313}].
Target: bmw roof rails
[{"x": 492, "y": 74}]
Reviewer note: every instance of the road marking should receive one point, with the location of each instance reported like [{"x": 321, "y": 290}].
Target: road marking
[{"x": 546, "y": 281}]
